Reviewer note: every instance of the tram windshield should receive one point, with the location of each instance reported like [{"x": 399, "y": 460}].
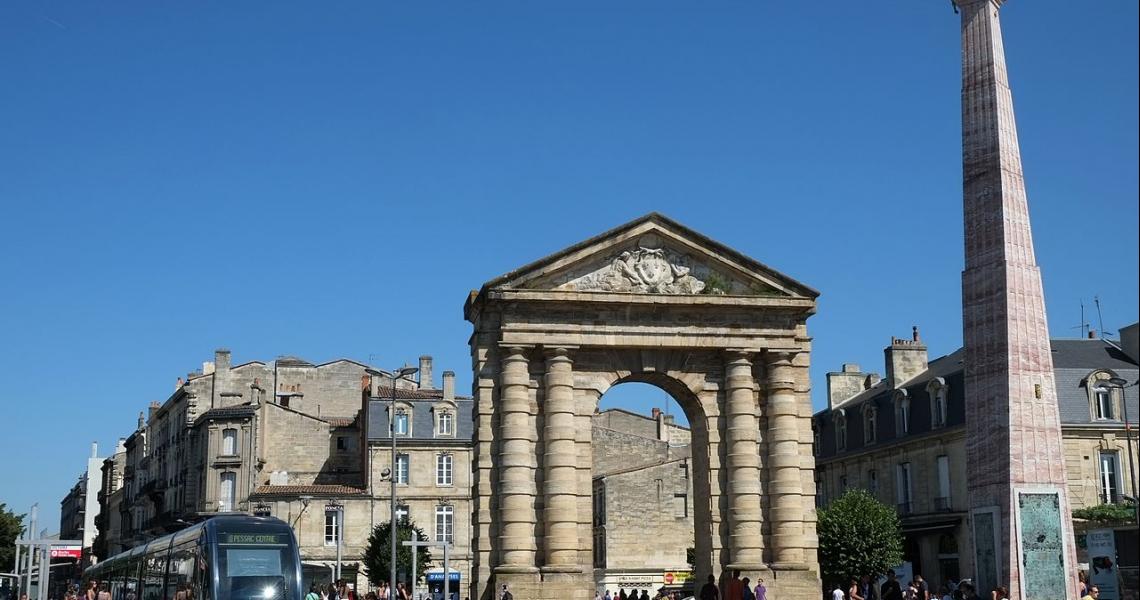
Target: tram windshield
[{"x": 254, "y": 566}]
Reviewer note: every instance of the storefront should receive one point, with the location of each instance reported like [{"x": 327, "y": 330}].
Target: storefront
[{"x": 435, "y": 584}]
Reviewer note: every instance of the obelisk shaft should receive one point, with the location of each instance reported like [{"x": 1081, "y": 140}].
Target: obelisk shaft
[{"x": 1013, "y": 434}]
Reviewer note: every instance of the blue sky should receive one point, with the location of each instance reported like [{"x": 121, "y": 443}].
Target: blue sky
[{"x": 329, "y": 180}]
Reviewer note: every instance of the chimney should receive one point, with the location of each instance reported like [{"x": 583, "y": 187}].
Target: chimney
[
  {"x": 207, "y": 367},
  {"x": 121, "y": 447},
  {"x": 221, "y": 361},
  {"x": 845, "y": 384},
  {"x": 656, "y": 413},
  {"x": 449, "y": 385},
  {"x": 142, "y": 421},
  {"x": 872, "y": 380},
  {"x": 1092, "y": 334},
  {"x": 94, "y": 449},
  {"x": 154, "y": 406},
  {"x": 425, "y": 373},
  {"x": 905, "y": 359}
]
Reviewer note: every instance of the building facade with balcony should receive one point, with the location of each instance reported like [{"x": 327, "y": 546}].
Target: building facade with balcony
[{"x": 902, "y": 438}]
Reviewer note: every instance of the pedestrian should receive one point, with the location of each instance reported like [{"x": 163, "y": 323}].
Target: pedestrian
[
  {"x": 923, "y": 589},
  {"x": 89, "y": 593},
  {"x": 944, "y": 592},
  {"x": 837, "y": 593},
  {"x": 748, "y": 589},
  {"x": 999, "y": 593},
  {"x": 1094, "y": 593},
  {"x": 890, "y": 589},
  {"x": 644, "y": 595},
  {"x": 853, "y": 590},
  {"x": 313, "y": 593},
  {"x": 734, "y": 590},
  {"x": 1083, "y": 583},
  {"x": 608, "y": 595},
  {"x": 761, "y": 591},
  {"x": 506, "y": 594},
  {"x": 709, "y": 591}
]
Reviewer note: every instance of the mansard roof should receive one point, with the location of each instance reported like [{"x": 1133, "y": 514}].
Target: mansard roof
[{"x": 699, "y": 264}]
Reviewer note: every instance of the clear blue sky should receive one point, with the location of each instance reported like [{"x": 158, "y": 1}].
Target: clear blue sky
[{"x": 329, "y": 180}]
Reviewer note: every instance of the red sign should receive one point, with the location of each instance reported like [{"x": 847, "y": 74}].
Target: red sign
[
  {"x": 67, "y": 552},
  {"x": 668, "y": 578}
]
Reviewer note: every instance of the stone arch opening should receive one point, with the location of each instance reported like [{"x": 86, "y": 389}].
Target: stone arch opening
[
  {"x": 657, "y": 471},
  {"x": 651, "y": 302}
]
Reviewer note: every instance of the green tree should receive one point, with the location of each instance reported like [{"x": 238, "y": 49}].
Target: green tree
[
  {"x": 11, "y": 526},
  {"x": 379, "y": 551},
  {"x": 858, "y": 535}
]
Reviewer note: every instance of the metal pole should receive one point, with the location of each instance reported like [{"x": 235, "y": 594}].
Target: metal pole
[
  {"x": 415, "y": 549},
  {"x": 446, "y": 573},
  {"x": 339, "y": 537},
  {"x": 395, "y": 472},
  {"x": 1131, "y": 464},
  {"x": 17, "y": 569},
  {"x": 42, "y": 590},
  {"x": 31, "y": 550}
]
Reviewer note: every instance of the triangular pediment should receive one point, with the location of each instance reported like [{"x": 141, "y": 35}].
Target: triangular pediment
[{"x": 652, "y": 255}]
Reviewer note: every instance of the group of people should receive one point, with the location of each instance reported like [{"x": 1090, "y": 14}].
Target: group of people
[
  {"x": 735, "y": 588},
  {"x": 631, "y": 595},
  {"x": 915, "y": 589}
]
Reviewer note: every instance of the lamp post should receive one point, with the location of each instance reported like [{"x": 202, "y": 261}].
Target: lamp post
[
  {"x": 398, "y": 374},
  {"x": 1120, "y": 383}
]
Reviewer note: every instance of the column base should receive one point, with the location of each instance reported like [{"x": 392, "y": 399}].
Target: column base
[
  {"x": 512, "y": 569},
  {"x": 746, "y": 567},
  {"x": 788, "y": 566}
]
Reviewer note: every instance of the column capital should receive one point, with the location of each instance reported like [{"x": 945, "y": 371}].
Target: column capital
[
  {"x": 777, "y": 355},
  {"x": 558, "y": 351},
  {"x": 737, "y": 354},
  {"x": 968, "y": 3}
]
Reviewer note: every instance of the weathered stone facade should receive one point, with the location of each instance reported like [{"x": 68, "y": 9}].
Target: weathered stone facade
[
  {"x": 655, "y": 302},
  {"x": 906, "y": 444}
]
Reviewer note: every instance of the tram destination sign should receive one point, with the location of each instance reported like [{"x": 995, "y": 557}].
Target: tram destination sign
[
  {"x": 254, "y": 538},
  {"x": 67, "y": 552}
]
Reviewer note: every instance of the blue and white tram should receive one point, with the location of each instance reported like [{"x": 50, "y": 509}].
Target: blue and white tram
[{"x": 224, "y": 558}]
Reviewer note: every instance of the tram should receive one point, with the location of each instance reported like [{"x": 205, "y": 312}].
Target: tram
[{"x": 232, "y": 557}]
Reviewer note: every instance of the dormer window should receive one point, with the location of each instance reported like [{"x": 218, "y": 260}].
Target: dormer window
[
  {"x": 938, "y": 394},
  {"x": 840, "y": 430},
  {"x": 401, "y": 422},
  {"x": 445, "y": 423},
  {"x": 902, "y": 413},
  {"x": 1102, "y": 398},
  {"x": 870, "y": 418}
]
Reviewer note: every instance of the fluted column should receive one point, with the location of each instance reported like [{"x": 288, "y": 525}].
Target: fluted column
[
  {"x": 517, "y": 465},
  {"x": 743, "y": 463},
  {"x": 560, "y": 479},
  {"x": 786, "y": 488}
]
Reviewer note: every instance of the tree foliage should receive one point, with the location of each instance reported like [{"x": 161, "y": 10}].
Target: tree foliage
[
  {"x": 1107, "y": 513},
  {"x": 858, "y": 535},
  {"x": 377, "y": 554},
  {"x": 11, "y": 526}
]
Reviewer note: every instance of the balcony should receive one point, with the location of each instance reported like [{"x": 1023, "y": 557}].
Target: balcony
[{"x": 942, "y": 504}]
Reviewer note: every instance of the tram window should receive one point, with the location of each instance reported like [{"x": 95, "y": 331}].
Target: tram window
[
  {"x": 254, "y": 572},
  {"x": 155, "y": 572},
  {"x": 180, "y": 576}
]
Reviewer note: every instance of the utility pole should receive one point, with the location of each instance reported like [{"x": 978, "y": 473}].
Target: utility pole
[{"x": 31, "y": 552}]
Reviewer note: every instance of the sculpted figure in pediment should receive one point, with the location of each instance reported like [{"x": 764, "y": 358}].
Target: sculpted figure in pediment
[{"x": 643, "y": 270}]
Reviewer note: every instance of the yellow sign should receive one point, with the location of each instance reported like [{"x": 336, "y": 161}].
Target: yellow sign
[{"x": 675, "y": 577}]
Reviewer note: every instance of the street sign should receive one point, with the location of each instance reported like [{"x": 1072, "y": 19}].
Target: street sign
[{"x": 67, "y": 552}]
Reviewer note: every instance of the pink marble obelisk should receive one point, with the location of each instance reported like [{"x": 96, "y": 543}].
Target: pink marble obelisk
[{"x": 1019, "y": 508}]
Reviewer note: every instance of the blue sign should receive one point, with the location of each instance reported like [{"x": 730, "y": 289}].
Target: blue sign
[{"x": 438, "y": 576}]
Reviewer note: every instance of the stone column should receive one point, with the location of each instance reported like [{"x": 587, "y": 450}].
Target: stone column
[
  {"x": 786, "y": 488},
  {"x": 560, "y": 479},
  {"x": 517, "y": 465},
  {"x": 743, "y": 463}
]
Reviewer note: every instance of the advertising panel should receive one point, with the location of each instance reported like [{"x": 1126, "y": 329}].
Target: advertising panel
[{"x": 1102, "y": 563}]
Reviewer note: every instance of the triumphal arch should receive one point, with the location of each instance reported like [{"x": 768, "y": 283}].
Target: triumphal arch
[{"x": 650, "y": 301}]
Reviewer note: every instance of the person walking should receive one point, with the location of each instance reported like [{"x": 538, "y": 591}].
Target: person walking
[
  {"x": 709, "y": 591},
  {"x": 923, "y": 588},
  {"x": 1094, "y": 593},
  {"x": 746, "y": 589},
  {"x": 313, "y": 593},
  {"x": 837, "y": 593},
  {"x": 506, "y": 594},
  {"x": 890, "y": 589},
  {"x": 734, "y": 590},
  {"x": 761, "y": 592}
]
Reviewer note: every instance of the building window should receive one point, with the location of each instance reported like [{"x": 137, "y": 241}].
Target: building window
[
  {"x": 446, "y": 423},
  {"x": 599, "y": 506},
  {"x": 401, "y": 422},
  {"x": 1104, "y": 408},
  {"x": 814, "y": 440},
  {"x": 402, "y": 513},
  {"x": 840, "y": 431},
  {"x": 332, "y": 527},
  {"x": 942, "y": 502},
  {"x": 680, "y": 506},
  {"x": 444, "y": 523},
  {"x": 842, "y": 484},
  {"x": 226, "y": 492},
  {"x": 443, "y": 469},
  {"x": 872, "y": 482},
  {"x": 902, "y": 488},
  {"x": 401, "y": 473},
  {"x": 938, "y": 394},
  {"x": 1109, "y": 477},
  {"x": 600, "y": 548},
  {"x": 341, "y": 443},
  {"x": 684, "y": 470},
  {"x": 870, "y": 417},
  {"x": 902, "y": 414},
  {"x": 229, "y": 442}
]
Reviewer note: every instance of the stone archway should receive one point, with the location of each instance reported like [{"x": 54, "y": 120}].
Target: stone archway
[{"x": 649, "y": 301}]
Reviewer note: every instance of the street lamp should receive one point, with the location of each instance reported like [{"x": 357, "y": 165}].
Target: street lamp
[
  {"x": 398, "y": 374},
  {"x": 1121, "y": 383}
]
